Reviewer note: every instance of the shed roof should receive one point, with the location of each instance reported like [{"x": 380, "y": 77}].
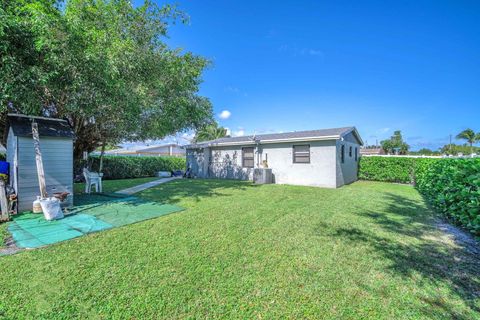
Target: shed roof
[
  {"x": 320, "y": 134},
  {"x": 47, "y": 127}
]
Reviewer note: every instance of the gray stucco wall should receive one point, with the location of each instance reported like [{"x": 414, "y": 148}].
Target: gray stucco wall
[
  {"x": 226, "y": 162},
  {"x": 319, "y": 172},
  {"x": 324, "y": 170},
  {"x": 197, "y": 161},
  {"x": 347, "y": 172},
  {"x": 57, "y": 154}
]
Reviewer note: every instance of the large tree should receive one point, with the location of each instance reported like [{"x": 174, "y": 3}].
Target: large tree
[
  {"x": 395, "y": 144},
  {"x": 468, "y": 135},
  {"x": 103, "y": 65}
]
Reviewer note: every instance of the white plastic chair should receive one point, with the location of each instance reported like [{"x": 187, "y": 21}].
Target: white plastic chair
[{"x": 92, "y": 179}]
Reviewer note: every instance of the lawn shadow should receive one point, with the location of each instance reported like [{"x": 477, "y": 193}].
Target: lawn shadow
[
  {"x": 412, "y": 244},
  {"x": 196, "y": 189}
]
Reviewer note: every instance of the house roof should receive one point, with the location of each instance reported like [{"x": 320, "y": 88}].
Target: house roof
[
  {"x": 371, "y": 151},
  {"x": 21, "y": 125},
  {"x": 309, "y": 135},
  {"x": 137, "y": 149}
]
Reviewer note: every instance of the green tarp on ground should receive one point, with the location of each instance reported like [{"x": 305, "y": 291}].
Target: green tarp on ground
[
  {"x": 119, "y": 210},
  {"x": 91, "y": 213}
]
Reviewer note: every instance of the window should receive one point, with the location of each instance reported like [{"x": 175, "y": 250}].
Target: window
[
  {"x": 301, "y": 154},
  {"x": 247, "y": 157},
  {"x": 342, "y": 153},
  {"x": 356, "y": 154},
  {"x": 350, "y": 152}
]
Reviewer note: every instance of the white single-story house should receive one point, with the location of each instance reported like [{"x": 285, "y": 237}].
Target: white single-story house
[
  {"x": 172, "y": 149},
  {"x": 325, "y": 158}
]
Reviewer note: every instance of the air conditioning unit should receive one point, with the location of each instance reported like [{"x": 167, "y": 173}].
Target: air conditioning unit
[{"x": 262, "y": 175}]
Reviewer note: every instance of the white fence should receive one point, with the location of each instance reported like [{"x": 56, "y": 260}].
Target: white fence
[{"x": 421, "y": 156}]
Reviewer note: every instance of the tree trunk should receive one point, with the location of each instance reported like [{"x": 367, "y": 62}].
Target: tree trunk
[{"x": 100, "y": 168}]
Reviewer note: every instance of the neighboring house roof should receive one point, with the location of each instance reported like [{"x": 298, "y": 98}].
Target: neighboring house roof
[
  {"x": 21, "y": 125},
  {"x": 371, "y": 151},
  {"x": 310, "y": 135},
  {"x": 140, "y": 149},
  {"x": 159, "y": 146}
]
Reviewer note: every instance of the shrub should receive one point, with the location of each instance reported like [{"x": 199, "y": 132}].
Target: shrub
[
  {"x": 392, "y": 169},
  {"x": 124, "y": 167},
  {"x": 452, "y": 187}
]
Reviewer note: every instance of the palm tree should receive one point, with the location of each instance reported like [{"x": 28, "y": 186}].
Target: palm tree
[
  {"x": 210, "y": 132},
  {"x": 470, "y": 136}
]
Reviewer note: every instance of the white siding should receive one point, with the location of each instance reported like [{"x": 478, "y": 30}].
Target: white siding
[
  {"x": 11, "y": 156},
  {"x": 57, "y": 154}
]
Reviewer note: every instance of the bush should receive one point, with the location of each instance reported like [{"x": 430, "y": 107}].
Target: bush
[
  {"x": 451, "y": 186},
  {"x": 124, "y": 167},
  {"x": 392, "y": 169}
]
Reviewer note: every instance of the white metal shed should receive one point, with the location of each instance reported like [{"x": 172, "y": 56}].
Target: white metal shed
[{"x": 56, "y": 143}]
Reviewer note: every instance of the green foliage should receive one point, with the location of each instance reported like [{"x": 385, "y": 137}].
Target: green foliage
[
  {"x": 210, "y": 132},
  {"x": 103, "y": 65},
  {"x": 395, "y": 144},
  {"x": 123, "y": 167},
  {"x": 470, "y": 136},
  {"x": 452, "y": 186},
  {"x": 391, "y": 169},
  {"x": 455, "y": 149},
  {"x": 425, "y": 152},
  {"x": 368, "y": 250}
]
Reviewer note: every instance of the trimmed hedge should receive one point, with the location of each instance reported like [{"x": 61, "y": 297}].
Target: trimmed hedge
[
  {"x": 392, "y": 169},
  {"x": 124, "y": 167},
  {"x": 451, "y": 186}
]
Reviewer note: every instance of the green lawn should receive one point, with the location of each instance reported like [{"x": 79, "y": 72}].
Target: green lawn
[
  {"x": 114, "y": 185},
  {"x": 367, "y": 250}
]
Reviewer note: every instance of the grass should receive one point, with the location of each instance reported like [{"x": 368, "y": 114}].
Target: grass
[
  {"x": 365, "y": 251},
  {"x": 115, "y": 185},
  {"x": 3, "y": 234}
]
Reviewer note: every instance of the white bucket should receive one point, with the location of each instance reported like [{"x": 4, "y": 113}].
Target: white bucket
[
  {"x": 37, "y": 207},
  {"x": 51, "y": 208}
]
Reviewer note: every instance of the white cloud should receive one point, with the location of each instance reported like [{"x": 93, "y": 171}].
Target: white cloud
[
  {"x": 296, "y": 51},
  {"x": 188, "y": 136},
  {"x": 232, "y": 89},
  {"x": 229, "y": 132},
  {"x": 314, "y": 52},
  {"x": 225, "y": 114},
  {"x": 238, "y": 133}
]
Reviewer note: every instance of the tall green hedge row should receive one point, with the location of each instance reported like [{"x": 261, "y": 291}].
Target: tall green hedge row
[
  {"x": 124, "y": 167},
  {"x": 451, "y": 186},
  {"x": 392, "y": 169}
]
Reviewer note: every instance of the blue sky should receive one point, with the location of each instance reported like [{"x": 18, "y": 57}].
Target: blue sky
[{"x": 378, "y": 65}]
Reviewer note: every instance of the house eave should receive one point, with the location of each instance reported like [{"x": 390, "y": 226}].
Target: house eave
[{"x": 243, "y": 143}]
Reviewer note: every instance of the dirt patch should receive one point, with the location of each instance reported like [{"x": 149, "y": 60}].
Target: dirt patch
[
  {"x": 458, "y": 237},
  {"x": 10, "y": 247}
]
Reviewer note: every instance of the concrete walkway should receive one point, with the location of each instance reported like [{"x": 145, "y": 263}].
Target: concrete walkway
[{"x": 147, "y": 185}]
